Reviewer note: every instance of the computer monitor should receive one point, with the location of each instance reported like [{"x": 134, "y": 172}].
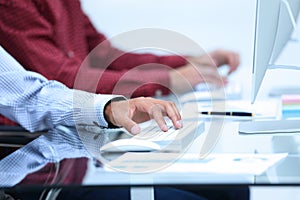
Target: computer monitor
[{"x": 274, "y": 25}]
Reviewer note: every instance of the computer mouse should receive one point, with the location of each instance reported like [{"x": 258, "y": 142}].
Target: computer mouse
[{"x": 130, "y": 145}]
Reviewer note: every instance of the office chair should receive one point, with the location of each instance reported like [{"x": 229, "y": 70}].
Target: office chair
[{"x": 14, "y": 137}]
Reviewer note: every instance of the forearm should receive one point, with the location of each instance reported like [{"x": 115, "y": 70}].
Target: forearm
[
  {"x": 117, "y": 59},
  {"x": 102, "y": 51},
  {"x": 136, "y": 82}
]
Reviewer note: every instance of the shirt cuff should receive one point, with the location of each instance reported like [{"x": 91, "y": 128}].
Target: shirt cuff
[
  {"x": 88, "y": 108},
  {"x": 101, "y": 102}
]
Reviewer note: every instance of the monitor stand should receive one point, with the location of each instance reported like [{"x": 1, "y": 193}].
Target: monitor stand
[{"x": 269, "y": 127}]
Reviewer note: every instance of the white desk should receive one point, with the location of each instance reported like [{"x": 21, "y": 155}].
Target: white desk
[{"x": 227, "y": 141}]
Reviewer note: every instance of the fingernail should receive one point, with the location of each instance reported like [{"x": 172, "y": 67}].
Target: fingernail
[
  {"x": 179, "y": 123},
  {"x": 164, "y": 127},
  {"x": 135, "y": 129}
]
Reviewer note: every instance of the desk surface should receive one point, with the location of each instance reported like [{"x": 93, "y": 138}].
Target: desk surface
[{"x": 69, "y": 160}]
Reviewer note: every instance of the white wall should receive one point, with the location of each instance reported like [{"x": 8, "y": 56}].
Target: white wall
[{"x": 212, "y": 24}]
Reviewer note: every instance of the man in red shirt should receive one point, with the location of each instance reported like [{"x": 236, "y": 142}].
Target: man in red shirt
[{"x": 54, "y": 37}]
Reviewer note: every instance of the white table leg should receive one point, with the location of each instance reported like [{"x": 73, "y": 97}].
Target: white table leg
[{"x": 145, "y": 193}]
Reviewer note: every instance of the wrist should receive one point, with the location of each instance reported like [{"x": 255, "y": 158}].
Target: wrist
[{"x": 108, "y": 113}]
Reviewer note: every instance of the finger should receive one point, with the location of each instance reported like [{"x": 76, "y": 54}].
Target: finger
[
  {"x": 223, "y": 57},
  {"x": 219, "y": 57},
  {"x": 148, "y": 105},
  {"x": 233, "y": 62},
  {"x": 170, "y": 110},
  {"x": 157, "y": 115},
  {"x": 173, "y": 114},
  {"x": 167, "y": 107},
  {"x": 131, "y": 126}
]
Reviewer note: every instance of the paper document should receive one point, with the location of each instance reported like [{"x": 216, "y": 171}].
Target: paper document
[
  {"x": 261, "y": 109},
  {"x": 235, "y": 164}
]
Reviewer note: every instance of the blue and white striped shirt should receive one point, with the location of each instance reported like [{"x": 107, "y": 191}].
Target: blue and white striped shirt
[{"x": 39, "y": 104}]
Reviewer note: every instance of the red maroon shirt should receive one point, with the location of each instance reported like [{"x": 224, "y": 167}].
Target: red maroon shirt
[
  {"x": 69, "y": 171},
  {"x": 54, "y": 37}
]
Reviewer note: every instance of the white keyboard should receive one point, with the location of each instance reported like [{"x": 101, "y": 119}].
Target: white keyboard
[
  {"x": 154, "y": 133},
  {"x": 173, "y": 139},
  {"x": 206, "y": 92}
]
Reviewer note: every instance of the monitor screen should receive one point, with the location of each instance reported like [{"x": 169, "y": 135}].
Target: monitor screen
[{"x": 275, "y": 22}]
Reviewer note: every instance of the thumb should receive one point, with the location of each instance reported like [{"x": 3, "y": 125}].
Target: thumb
[{"x": 131, "y": 126}]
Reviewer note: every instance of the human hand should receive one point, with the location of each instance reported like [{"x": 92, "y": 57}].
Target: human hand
[
  {"x": 184, "y": 79},
  {"x": 225, "y": 57},
  {"x": 218, "y": 58},
  {"x": 203, "y": 69},
  {"x": 128, "y": 113}
]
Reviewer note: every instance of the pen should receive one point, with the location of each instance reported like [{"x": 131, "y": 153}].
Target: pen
[{"x": 236, "y": 113}]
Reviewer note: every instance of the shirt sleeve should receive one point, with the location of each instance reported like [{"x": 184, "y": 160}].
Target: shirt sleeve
[
  {"x": 119, "y": 59},
  {"x": 38, "y": 104},
  {"x": 32, "y": 39},
  {"x": 138, "y": 74}
]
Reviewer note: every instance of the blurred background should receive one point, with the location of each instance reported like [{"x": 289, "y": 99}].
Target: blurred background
[{"x": 212, "y": 24}]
